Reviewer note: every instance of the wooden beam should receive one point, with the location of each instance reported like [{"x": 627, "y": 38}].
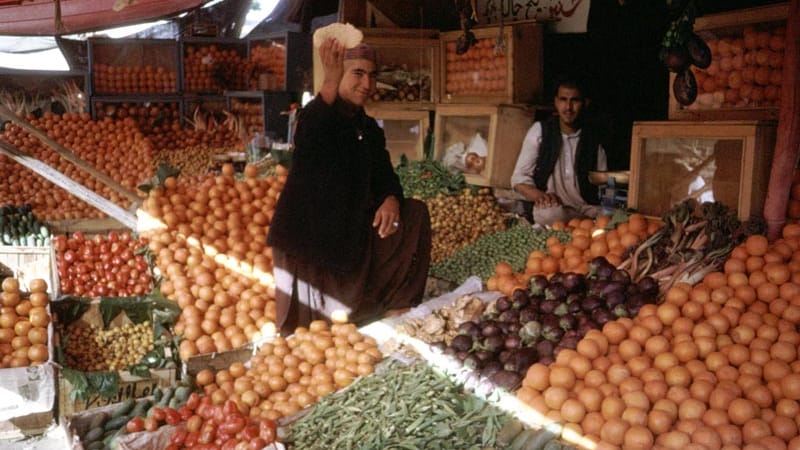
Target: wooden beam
[
  {"x": 69, "y": 156},
  {"x": 788, "y": 140},
  {"x": 68, "y": 184},
  {"x": 354, "y": 12}
]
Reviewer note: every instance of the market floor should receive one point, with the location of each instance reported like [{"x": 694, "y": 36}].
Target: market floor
[{"x": 53, "y": 439}]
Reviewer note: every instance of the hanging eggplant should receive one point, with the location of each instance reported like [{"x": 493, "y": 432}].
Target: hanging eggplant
[{"x": 684, "y": 87}]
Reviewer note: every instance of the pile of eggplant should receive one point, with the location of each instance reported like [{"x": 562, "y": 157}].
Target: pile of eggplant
[{"x": 553, "y": 314}]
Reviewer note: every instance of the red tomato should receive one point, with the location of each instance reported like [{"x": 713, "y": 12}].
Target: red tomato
[
  {"x": 208, "y": 432},
  {"x": 191, "y": 439},
  {"x": 257, "y": 444},
  {"x": 173, "y": 417},
  {"x": 185, "y": 412},
  {"x": 193, "y": 401},
  {"x": 267, "y": 430},
  {"x": 134, "y": 425},
  {"x": 172, "y": 447},
  {"x": 233, "y": 425},
  {"x": 250, "y": 432},
  {"x": 158, "y": 414},
  {"x": 179, "y": 437},
  {"x": 151, "y": 424},
  {"x": 230, "y": 408},
  {"x": 230, "y": 444},
  {"x": 206, "y": 411}
]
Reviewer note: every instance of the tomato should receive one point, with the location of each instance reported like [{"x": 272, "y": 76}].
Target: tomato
[
  {"x": 230, "y": 408},
  {"x": 206, "y": 447},
  {"x": 178, "y": 437},
  {"x": 135, "y": 425},
  {"x": 206, "y": 411},
  {"x": 158, "y": 414},
  {"x": 191, "y": 439},
  {"x": 185, "y": 412},
  {"x": 193, "y": 401},
  {"x": 194, "y": 423},
  {"x": 250, "y": 432},
  {"x": 172, "y": 416},
  {"x": 208, "y": 432},
  {"x": 233, "y": 425},
  {"x": 267, "y": 429},
  {"x": 151, "y": 424},
  {"x": 172, "y": 447},
  {"x": 257, "y": 444},
  {"x": 230, "y": 444},
  {"x": 69, "y": 257}
]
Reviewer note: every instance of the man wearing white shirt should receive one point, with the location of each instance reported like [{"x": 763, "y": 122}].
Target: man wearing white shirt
[{"x": 553, "y": 166}]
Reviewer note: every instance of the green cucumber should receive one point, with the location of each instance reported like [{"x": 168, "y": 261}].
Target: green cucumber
[
  {"x": 182, "y": 394},
  {"x": 167, "y": 396},
  {"x": 98, "y": 420},
  {"x": 124, "y": 408},
  {"x": 141, "y": 408},
  {"x": 95, "y": 434},
  {"x": 116, "y": 423},
  {"x": 509, "y": 431}
]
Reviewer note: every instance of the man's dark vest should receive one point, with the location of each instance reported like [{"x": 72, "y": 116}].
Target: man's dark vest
[{"x": 585, "y": 159}]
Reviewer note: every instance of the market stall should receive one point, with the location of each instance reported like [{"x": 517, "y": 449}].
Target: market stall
[{"x": 139, "y": 308}]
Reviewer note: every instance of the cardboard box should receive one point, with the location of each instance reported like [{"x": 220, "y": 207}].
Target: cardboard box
[
  {"x": 27, "y": 263},
  {"x": 28, "y": 399}
]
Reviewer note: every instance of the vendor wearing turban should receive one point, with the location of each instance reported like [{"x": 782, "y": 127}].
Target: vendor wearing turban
[{"x": 346, "y": 243}]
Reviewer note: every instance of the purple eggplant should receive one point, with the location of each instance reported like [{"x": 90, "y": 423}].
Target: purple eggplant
[
  {"x": 699, "y": 52},
  {"x": 620, "y": 311},
  {"x": 557, "y": 277},
  {"x": 552, "y": 333},
  {"x": 502, "y": 304},
  {"x": 544, "y": 348},
  {"x": 503, "y": 356},
  {"x": 574, "y": 282},
  {"x": 530, "y": 332},
  {"x": 508, "y": 316},
  {"x": 555, "y": 291},
  {"x": 521, "y": 359},
  {"x": 574, "y": 307},
  {"x": 472, "y": 362},
  {"x": 528, "y": 314},
  {"x": 462, "y": 343},
  {"x": 538, "y": 284},
  {"x": 561, "y": 309},
  {"x": 615, "y": 298},
  {"x": 469, "y": 328},
  {"x": 490, "y": 328},
  {"x": 484, "y": 355},
  {"x": 546, "y": 360},
  {"x": 590, "y": 303},
  {"x": 632, "y": 289},
  {"x": 602, "y": 315},
  {"x": 506, "y": 380},
  {"x": 600, "y": 268},
  {"x": 612, "y": 286},
  {"x": 548, "y": 306},
  {"x": 584, "y": 327},
  {"x": 621, "y": 275},
  {"x": 512, "y": 341},
  {"x": 490, "y": 368},
  {"x": 514, "y": 327},
  {"x": 568, "y": 322},
  {"x": 493, "y": 343},
  {"x": 634, "y": 303},
  {"x": 648, "y": 286},
  {"x": 570, "y": 342},
  {"x": 519, "y": 299}
]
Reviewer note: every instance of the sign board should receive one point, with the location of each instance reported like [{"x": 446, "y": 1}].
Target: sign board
[{"x": 566, "y": 16}]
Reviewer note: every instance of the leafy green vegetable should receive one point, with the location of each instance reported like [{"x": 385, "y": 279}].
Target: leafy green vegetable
[
  {"x": 84, "y": 384},
  {"x": 427, "y": 178}
]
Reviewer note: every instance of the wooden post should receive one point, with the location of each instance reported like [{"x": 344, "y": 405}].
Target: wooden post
[
  {"x": 354, "y": 12},
  {"x": 68, "y": 184},
  {"x": 69, "y": 156},
  {"x": 786, "y": 146}
]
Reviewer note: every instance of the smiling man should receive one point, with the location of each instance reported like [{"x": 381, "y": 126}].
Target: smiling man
[
  {"x": 346, "y": 244},
  {"x": 552, "y": 170}
]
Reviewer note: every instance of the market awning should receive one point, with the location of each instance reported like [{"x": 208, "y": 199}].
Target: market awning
[{"x": 41, "y": 17}]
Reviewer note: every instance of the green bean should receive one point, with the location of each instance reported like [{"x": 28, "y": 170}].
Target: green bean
[{"x": 425, "y": 410}]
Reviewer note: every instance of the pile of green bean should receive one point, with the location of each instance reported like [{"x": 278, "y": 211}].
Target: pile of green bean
[
  {"x": 479, "y": 258},
  {"x": 428, "y": 178},
  {"x": 403, "y": 407}
]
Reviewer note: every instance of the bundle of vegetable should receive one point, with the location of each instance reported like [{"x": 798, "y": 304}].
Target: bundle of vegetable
[
  {"x": 681, "y": 48},
  {"x": 426, "y": 178},
  {"x": 401, "y": 407},
  {"x": 695, "y": 240},
  {"x": 536, "y": 324},
  {"x": 481, "y": 256},
  {"x": 19, "y": 226},
  {"x": 713, "y": 366},
  {"x": 458, "y": 220},
  {"x": 23, "y": 324}
]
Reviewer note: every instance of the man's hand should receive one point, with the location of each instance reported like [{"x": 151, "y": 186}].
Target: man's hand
[
  {"x": 331, "y": 53},
  {"x": 547, "y": 200},
  {"x": 539, "y": 198},
  {"x": 387, "y": 217}
]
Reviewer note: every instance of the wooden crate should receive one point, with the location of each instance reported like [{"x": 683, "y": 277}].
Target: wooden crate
[
  {"x": 405, "y": 130},
  {"x": 130, "y": 386},
  {"x": 503, "y": 127},
  {"x": 125, "y": 66},
  {"x": 743, "y": 36},
  {"x": 218, "y": 360},
  {"x": 27, "y": 263},
  {"x": 282, "y": 61},
  {"x": 480, "y": 75},
  {"x": 727, "y": 161}
]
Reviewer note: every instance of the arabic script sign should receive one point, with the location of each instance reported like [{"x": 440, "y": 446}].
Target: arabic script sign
[{"x": 567, "y": 16}]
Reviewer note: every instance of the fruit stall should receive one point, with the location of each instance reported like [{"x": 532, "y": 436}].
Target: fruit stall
[{"x": 138, "y": 295}]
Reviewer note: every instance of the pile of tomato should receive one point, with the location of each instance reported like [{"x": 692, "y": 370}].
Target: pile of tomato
[
  {"x": 201, "y": 425},
  {"x": 102, "y": 265}
]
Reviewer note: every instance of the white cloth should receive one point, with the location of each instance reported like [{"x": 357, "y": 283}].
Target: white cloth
[{"x": 563, "y": 182}]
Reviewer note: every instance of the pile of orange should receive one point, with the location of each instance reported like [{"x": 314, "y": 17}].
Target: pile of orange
[
  {"x": 714, "y": 366},
  {"x": 589, "y": 239}
]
